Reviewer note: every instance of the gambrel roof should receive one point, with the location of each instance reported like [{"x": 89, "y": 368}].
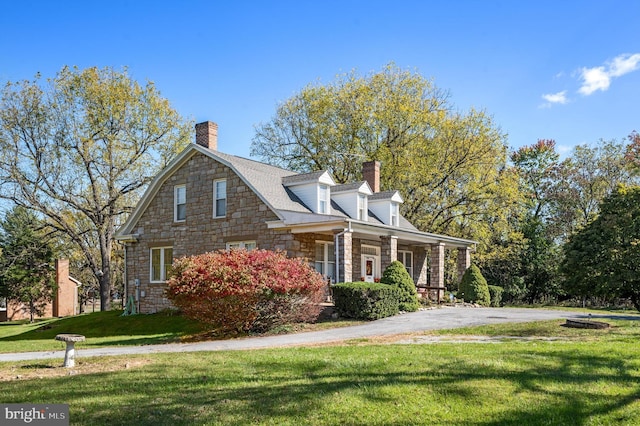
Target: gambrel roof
[{"x": 269, "y": 183}]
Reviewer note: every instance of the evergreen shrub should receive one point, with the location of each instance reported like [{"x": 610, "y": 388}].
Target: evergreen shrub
[
  {"x": 396, "y": 274},
  {"x": 473, "y": 287},
  {"x": 495, "y": 294}
]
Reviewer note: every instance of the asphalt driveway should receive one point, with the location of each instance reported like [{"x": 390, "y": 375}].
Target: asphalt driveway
[{"x": 433, "y": 319}]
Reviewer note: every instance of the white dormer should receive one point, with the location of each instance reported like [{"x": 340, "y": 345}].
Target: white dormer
[
  {"x": 386, "y": 207},
  {"x": 313, "y": 189},
  {"x": 353, "y": 199}
]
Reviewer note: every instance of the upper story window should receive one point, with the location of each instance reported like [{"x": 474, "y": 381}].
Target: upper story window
[
  {"x": 247, "y": 245},
  {"x": 179, "y": 203},
  {"x": 362, "y": 207},
  {"x": 323, "y": 198},
  {"x": 161, "y": 260},
  {"x": 395, "y": 214},
  {"x": 220, "y": 198}
]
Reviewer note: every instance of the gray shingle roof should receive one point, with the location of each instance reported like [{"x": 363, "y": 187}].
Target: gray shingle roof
[
  {"x": 268, "y": 181},
  {"x": 346, "y": 187},
  {"x": 384, "y": 195},
  {"x": 302, "y": 177}
]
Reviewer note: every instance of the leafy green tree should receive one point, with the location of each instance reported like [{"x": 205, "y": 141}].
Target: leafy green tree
[
  {"x": 395, "y": 274},
  {"x": 539, "y": 262},
  {"x": 584, "y": 179},
  {"x": 536, "y": 256},
  {"x": 26, "y": 266},
  {"x": 450, "y": 166},
  {"x": 473, "y": 287},
  {"x": 536, "y": 165},
  {"x": 79, "y": 149},
  {"x": 603, "y": 258}
]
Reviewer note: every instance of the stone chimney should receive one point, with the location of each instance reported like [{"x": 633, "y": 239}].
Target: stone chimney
[
  {"x": 207, "y": 135},
  {"x": 371, "y": 173}
]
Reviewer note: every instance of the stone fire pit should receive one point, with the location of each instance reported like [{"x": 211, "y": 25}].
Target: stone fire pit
[{"x": 69, "y": 355}]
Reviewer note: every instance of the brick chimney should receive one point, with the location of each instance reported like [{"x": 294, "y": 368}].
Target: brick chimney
[
  {"x": 371, "y": 173},
  {"x": 207, "y": 135}
]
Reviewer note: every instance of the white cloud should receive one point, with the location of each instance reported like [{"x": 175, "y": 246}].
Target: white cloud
[
  {"x": 599, "y": 78},
  {"x": 624, "y": 64},
  {"x": 556, "y": 98}
]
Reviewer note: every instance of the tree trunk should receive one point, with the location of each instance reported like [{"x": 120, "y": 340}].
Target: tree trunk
[
  {"x": 104, "y": 277},
  {"x": 105, "y": 291}
]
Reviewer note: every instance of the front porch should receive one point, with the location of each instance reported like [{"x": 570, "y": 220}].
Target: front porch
[{"x": 361, "y": 253}]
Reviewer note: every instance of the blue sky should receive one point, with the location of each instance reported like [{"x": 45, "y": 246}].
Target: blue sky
[{"x": 563, "y": 70}]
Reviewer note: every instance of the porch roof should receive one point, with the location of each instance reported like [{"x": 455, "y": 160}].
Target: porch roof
[{"x": 333, "y": 225}]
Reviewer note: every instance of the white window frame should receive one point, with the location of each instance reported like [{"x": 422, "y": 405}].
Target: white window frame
[
  {"x": 362, "y": 207},
  {"x": 3, "y": 304},
  {"x": 327, "y": 265},
  {"x": 163, "y": 263},
  {"x": 402, "y": 257},
  {"x": 247, "y": 245},
  {"x": 323, "y": 199},
  {"x": 394, "y": 213},
  {"x": 177, "y": 202},
  {"x": 217, "y": 197}
]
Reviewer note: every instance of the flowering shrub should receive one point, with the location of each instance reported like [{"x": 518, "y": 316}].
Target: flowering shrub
[{"x": 239, "y": 291}]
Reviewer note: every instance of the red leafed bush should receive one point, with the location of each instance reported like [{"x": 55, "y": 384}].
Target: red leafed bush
[{"x": 241, "y": 291}]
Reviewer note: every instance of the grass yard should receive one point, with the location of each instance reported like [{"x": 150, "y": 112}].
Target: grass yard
[
  {"x": 111, "y": 329},
  {"x": 100, "y": 328},
  {"x": 587, "y": 377}
]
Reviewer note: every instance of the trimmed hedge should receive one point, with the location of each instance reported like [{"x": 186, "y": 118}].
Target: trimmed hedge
[
  {"x": 495, "y": 293},
  {"x": 366, "y": 301},
  {"x": 396, "y": 274},
  {"x": 473, "y": 287}
]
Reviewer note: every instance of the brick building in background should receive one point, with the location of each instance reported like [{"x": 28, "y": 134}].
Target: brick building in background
[{"x": 64, "y": 303}]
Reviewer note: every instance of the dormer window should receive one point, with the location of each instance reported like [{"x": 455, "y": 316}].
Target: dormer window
[
  {"x": 395, "y": 214},
  {"x": 386, "y": 207},
  {"x": 323, "y": 199},
  {"x": 313, "y": 189},
  {"x": 362, "y": 207}
]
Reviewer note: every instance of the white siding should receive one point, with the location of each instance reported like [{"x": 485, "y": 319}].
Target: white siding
[
  {"x": 382, "y": 210},
  {"x": 348, "y": 201}
]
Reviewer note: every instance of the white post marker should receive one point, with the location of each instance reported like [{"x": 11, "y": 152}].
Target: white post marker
[{"x": 69, "y": 355}]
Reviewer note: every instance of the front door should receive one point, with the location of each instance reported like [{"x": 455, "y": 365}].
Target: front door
[{"x": 369, "y": 268}]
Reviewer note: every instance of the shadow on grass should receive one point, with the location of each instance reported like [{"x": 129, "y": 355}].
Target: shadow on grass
[{"x": 358, "y": 386}]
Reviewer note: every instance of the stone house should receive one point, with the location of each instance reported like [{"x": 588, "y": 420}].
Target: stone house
[{"x": 206, "y": 200}]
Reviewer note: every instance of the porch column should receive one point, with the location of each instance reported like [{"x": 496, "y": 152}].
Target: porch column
[
  {"x": 464, "y": 261},
  {"x": 437, "y": 269},
  {"x": 421, "y": 266},
  {"x": 389, "y": 251},
  {"x": 345, "y": 257}
]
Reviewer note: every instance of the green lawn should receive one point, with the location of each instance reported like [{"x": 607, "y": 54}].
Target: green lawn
[
  {"x": 100, "y": 328},
  {"x": 112, "y": 329},
  {"x": 588, "y": 377}
]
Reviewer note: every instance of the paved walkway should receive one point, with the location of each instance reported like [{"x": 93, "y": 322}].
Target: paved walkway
[{"x": 415, "y": 322}]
